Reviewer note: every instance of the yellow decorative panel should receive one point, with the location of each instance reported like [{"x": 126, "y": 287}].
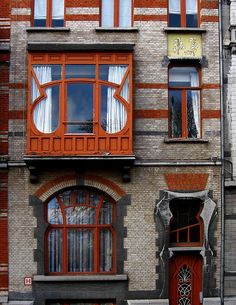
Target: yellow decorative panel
[{"x": 185, "y": 45}]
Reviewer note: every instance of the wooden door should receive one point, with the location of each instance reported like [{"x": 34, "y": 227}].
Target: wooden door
[{"x": 185, "y": 279}]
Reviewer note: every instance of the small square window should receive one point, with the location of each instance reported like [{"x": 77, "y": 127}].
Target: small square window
[
  {"x": 183, "y": 13},
  {"x": 116, "y": 13},
  {"x": 48, "y": 13}
]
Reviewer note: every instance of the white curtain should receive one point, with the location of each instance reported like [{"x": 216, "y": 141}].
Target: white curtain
[
  {"x": 116, "y": 113},
  {"x": 195, "y": 101},
  {"x": 40, "y": 9},
  {"x": 125, "y": 13},
  {"x": 107, "y": 13},
  {"x": 58, "y": 9},
  {"x": 191, "y": 7},
  {"x": 106, "y": 247},
  {"x": 174, "y": 6},
  {"x": 42, "y": 115},
  {"x": 55, "y": 251}
]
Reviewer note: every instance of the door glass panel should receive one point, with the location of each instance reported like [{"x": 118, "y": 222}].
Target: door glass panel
[
  {"x": 79, "y": 108},
  {"x": 175, "y": 104}
]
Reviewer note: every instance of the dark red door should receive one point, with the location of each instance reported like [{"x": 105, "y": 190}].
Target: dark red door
[{"x": 185, "y": 279}]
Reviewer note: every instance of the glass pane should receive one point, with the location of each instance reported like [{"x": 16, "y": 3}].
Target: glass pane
[
  {"x": 47, "y": 73},
  {"x": 175, "y": 106},
  {"x": 125, "y": 90},
  {"x": 54, "y": 212},
  {"x": 112, "y": 74},
  {"x": 106, "y": 213},
  {"x": 193, "y": 113},
  {"x": 55, "y": 250},
  {"x": 34, "y": 90},
  {"x": 183, "y": 77},
  {"x": 195, "y": 234},
  {"x": 94, "y": 199},
  {"x": 66, "y": 198},
  {"x": 39, "y": 22},
  {"x": 107, "y": 13},
  {"x": 125, "y": 13},
  {"x": 174, "y": 20},
  {"x": 80, "y": 250},
  {"x": 46, "y": 112},
  {"x": 106, "y": 251},
  {"x": 40, "y": 9},
  {"x": 192, "y": 21},
  {"x": 174, "y": 13},
  {"x": 80, "y": 196},
  {"x": 80, "y": 215},
  {"x": 113, "y": 112},
  {"x": 80, "y": 71},
  {"x": 57, "y": 13},
  {"x": 183, "y": 236},
  {"x": 80, "y": 108}
]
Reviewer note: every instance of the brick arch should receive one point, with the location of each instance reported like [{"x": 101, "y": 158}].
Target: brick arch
[{"x": 59, "y": 183}]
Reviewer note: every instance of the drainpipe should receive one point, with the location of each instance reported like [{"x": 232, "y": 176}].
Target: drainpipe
[{"x": 222, "y": 257}]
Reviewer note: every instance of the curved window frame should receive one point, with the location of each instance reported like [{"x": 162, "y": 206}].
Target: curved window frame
[
  {"x": 184, "y": 111},
  {"x": 96, "y": 228}
]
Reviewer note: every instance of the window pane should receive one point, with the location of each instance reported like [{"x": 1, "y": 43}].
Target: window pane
[
  {"x": 183, "y": 77},
  {"x": 107, "y": 13},
  {"x": 46, "y": 112},
  {"x": 80, "y": 108},
  {"x": 106, "y": 213},
  {"x": 80, "y": 250},
  {"x": 113, "y": 112},
  {"x": 195, "y": 234},
  {"x": 113, "y": 74},
  {"x": 57, "y": 13},
  {"x": 54, "y": 212},
  {"x": 125, "y": 90},
  {"x": 174, "y": 20},
  {"x": 125, "y": 13},
  {"x": 191, "y": 13},
  {"x": 106, "y": 251},
  {"x": 174, "y": 13},
  {"x": 80, "y": 71},
  {"x": 175, "y": 106},
  {"x": 192, "y": 21},
  {"x": 193, "y": 113},
  {"x": 80, "y": 215},
  {"x": 47, "y": 73},
  {"x": 55, "y": 250},
  {"x": 40, "y": 9}
]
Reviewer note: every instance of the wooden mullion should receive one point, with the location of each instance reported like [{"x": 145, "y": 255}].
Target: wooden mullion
[
  {"x": 183, "y": 12},
  {"x": 64, "y": 250},
  {"x": 96, "y": 250},
  {"x": 49, "y": 13},
  {"x": 116, "y": 13}
]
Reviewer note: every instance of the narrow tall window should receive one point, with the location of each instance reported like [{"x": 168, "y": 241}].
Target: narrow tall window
[
  {"x": 183, "y": 13},
  {"x": 81, "y": 234},
  {"x": 116, "y": 13},
  {"x": 184, "y": 103},
  {"x": 48, "y": 13}
]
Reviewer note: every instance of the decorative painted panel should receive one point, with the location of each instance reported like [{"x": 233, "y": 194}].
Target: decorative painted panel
[{"x": 184, "y": 45}]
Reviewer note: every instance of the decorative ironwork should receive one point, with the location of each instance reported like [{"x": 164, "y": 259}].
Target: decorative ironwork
[{"x": 184, "y": 286}]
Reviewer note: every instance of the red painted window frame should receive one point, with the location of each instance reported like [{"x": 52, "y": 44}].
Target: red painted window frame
[
  {"x": 184, "y": 101},
  {"x": 183, "y": 13},
  {"x": 189, "y": 243},
  {"x": 116, "y": 13},
  {"x": 49, "y": 14},
  {"x": 96, "y": 227}
]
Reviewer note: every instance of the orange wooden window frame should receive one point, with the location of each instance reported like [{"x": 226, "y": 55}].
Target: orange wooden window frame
[
  {"x": 96, "y": 227},
  {"x": 189, "y": 243},
  {"x": 117, "y": 14},
  {"x": 49, "y": 13},
  {"x": 184, "y": 101},
  {"x": 119, "y": 143},
  {"x": 183, "y": 13}
]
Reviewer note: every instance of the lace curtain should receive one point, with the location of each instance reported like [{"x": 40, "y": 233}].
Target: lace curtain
[
  {"x": 174, "y": 6},
  {"x": 195, "y": 101},
  {"x": 40, "y": 9}
]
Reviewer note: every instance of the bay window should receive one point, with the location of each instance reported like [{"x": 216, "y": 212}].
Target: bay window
[
  {"x": 81, "y": 234},
  {"x": 48, "y": 13},
  {"x": 184, "y": 103},
  {"x": 116, "y": 13},
  {"x": 81, "y": 96},
  {"x": 183, "y": 13}
]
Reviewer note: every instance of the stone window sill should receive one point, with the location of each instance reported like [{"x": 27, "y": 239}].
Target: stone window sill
[
  {"x": 80, "y": 278},
  {"x": 103, "y": 29},
  {"x": 48, "y": 29},
  {"x": 185, "y": 30},
  {"x": 192, "y": 141}
]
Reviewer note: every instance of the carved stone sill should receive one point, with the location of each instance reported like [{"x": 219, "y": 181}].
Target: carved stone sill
[
  {"x": 48, "y": 29},
  {"x": 111, "y": 29},
  {"x": 80, "y": 278},
  {"x": 187, "y": 30},
  {"x": 180, "y": 140}
]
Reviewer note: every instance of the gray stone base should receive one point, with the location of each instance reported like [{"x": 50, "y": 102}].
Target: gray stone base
[
  {"x": 230, "y": 301},
  {"x": 149, "y": 302},
  {"x": 211, "y": 301}
]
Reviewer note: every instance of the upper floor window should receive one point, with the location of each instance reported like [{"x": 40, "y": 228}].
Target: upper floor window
[
  {"x": 186, "y": 224},
  {"x": 79, "y": 99},
  {"x": 81, "y": 234},
  {"x": 184, "y": 103},
  {"x": 183, "y": 13},
  {"x": 116, "y": 13},
  {"x": 49, "y": 13}
]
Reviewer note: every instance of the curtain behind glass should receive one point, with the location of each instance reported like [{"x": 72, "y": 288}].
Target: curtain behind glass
[
  {"x": 58, "y": 9},
  {"x": 40, "y": 9},
  {"x": 42, "y": 115},
  {"x": 195, "y": 101},
  {"x": 116, "y": 113},
  {"x": 191, "y": 7},
  {"x": 55, "y": 250},
  {"x": 107, "y": 13},
  {"x": 106, "y": 248},
  {"x": 174, "y": 6},
  {"x": 125, "y": 13}
]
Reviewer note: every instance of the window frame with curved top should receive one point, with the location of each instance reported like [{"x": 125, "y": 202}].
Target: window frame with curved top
[
  {"x": 92, "y": 119},
  {"x": 199, "y": 224},
  {"x": 70, "y": 256}
]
